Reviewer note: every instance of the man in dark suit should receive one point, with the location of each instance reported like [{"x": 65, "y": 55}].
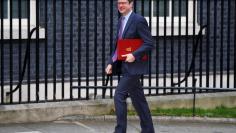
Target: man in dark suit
[{"x": 131, "y": 26}]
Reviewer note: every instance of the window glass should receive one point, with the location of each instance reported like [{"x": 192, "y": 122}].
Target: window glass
[
  {"x": 5, "y": 12},
  {"x": 145, "y": 12},
  {"x": 139, "y": 4},
  {"x": 177, "y": 5},
  {"x": 154, "y": 5},
  {"x": 15, "y": 8},
  {"x": 161, "y": 8}
]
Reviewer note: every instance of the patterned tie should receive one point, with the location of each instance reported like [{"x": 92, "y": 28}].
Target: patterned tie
[{"x": 114, "y": 58}]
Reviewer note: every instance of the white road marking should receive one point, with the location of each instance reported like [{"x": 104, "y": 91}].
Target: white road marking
[
  {"x": 29, "y": 132},
  {"x": 85, "y": 126}
]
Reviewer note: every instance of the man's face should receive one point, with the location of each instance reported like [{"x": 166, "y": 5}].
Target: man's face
[{"x": 124, "y": 6}]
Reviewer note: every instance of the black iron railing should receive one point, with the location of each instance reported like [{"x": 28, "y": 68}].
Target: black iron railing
[{"x": 65, "y": 56}]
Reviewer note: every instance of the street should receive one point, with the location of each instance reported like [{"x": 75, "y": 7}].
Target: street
[{"x": 95, "y": 126}]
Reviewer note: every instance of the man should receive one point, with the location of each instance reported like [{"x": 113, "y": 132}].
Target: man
[{"x": 131, "y": 26}]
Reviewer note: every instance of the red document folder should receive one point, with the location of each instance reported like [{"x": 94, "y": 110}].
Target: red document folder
[{"x": 126, "y": 46}]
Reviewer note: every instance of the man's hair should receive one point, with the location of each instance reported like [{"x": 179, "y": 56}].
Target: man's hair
[{"x": 130, "y": 1}]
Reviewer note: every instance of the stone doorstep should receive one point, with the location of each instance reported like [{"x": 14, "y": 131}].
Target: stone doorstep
[
  {"x": 52, "y": 111},
  {"x": 39, "y": 112}
]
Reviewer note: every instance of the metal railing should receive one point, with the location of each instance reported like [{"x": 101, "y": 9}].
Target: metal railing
[{"x": 65, "y": 56}]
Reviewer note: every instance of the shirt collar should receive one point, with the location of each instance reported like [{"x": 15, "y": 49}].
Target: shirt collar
[{"x": 127, "y": 16}]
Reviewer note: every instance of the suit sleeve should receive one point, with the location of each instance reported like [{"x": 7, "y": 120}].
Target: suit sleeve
[
  {"x": 110, "y": 59},
  {"x": 145, "y": 34}
]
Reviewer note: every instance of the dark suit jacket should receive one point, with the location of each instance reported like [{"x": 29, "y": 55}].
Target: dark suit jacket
[{"x": 136, "y": 27}]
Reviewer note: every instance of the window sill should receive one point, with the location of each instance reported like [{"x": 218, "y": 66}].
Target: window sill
[
  {"x": 175, "y": 30},
  {"x": 24, "y": 33}
]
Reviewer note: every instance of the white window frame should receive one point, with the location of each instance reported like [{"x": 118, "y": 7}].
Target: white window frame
[
  {"x": 24, "y": 25},
  {"x": 176, "y": 22}
]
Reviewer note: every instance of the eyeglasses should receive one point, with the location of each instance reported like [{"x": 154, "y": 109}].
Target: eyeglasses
[{"x": 122, "y": 3}]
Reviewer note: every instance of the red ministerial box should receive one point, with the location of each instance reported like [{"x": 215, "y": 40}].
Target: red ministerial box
[{"x": 126, "y": 46}]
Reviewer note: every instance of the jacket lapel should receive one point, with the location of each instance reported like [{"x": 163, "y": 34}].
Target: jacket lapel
[
  {"x": 129, "y": 22},
  {"x": 117, "y": 31}
]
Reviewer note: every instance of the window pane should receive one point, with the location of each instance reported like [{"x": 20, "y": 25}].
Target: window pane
[
  {"x": 15, "y": 9},
  {"x": 161, "y": 8},
  {"x": 177, "y": 5},
  {"x": 139, "y": 7},
  {"x": 5, "y": 12}
]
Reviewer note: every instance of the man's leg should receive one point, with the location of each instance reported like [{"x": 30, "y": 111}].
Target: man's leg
[
  {"x": 141, "y": 106},
  {"x": 120, "y": 97}
]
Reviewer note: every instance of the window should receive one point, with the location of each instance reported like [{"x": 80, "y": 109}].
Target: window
[
  {"x": 168, "y": 13},
  {"x": 15, "y": 3},
  {"x": 15, "y": 18}
]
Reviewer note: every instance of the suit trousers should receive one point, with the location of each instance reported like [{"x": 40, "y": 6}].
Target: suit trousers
[{"x": 131, "y": 86}]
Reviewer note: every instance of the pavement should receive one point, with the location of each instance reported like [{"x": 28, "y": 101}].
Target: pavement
[{"x": 75, "y": 124}]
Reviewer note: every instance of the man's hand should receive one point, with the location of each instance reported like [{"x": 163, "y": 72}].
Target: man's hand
[
  {"x": 109, "y": 69},
  {"x": 129, "y": 58}
]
